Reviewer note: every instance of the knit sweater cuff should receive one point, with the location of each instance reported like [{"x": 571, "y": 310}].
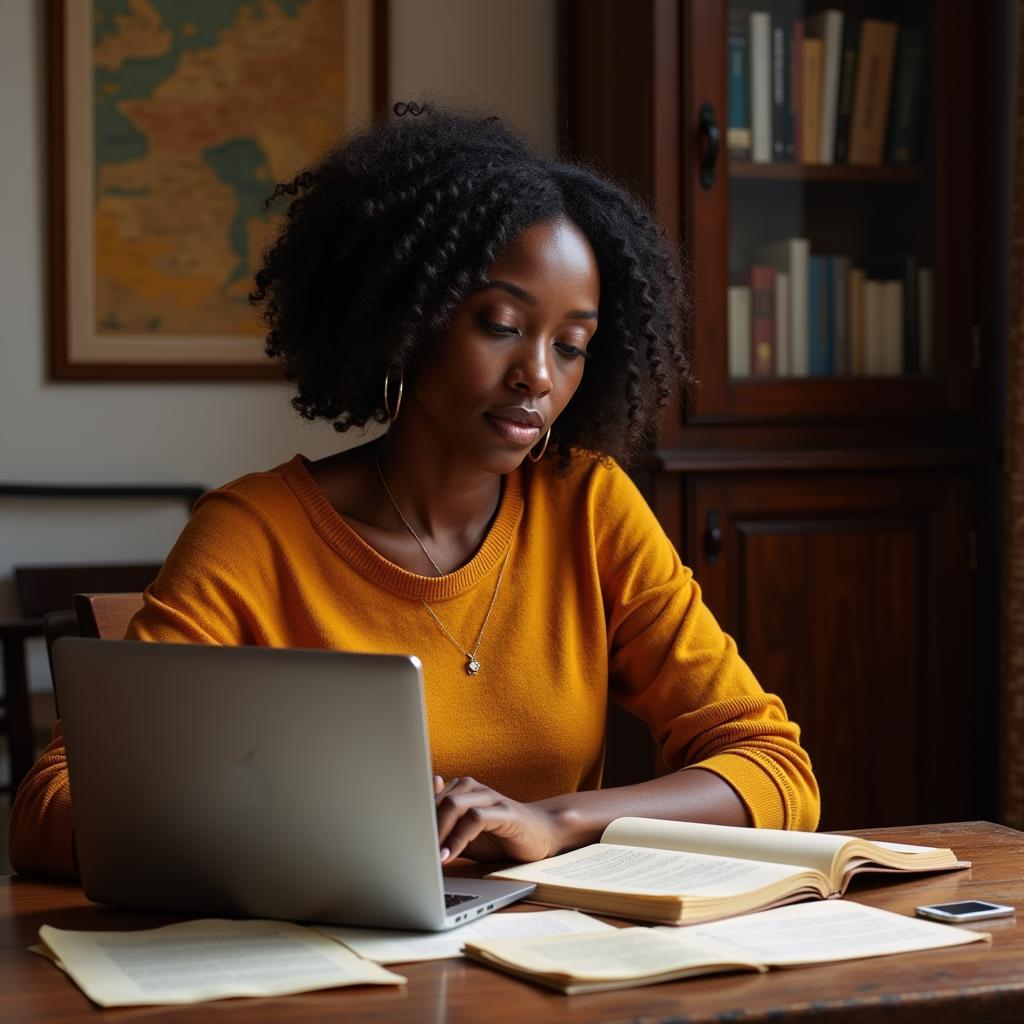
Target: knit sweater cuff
[{"x": 768, "y": 795}]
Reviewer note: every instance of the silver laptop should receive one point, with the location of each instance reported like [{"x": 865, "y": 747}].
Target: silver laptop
[{"x": 257, "y": 782}]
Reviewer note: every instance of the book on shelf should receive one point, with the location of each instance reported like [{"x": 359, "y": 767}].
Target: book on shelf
[
  {"x": 790, "y": 258},
  {"x": 857, "y": 278},
  {"x": 760, "y": 50},
  {"x": 883, "y": 328},
  {"x": 892, "y": 337},
  {"x": 874, "y": 345},
  {"x": 738, "y": 131},
  {"x": 906, "y": 119},
  {"x": 793, "y": 936},
  {"x": 872, "y": 86},
  {"x": 834, "y": 88},
  {"x": 811, "y": 67},
  {"x": 782, "y": 122},
  {"x": 827, "y": 26},
  {"x": 902, "y": 341},
  {"x": 839, "y": 278},
  {"x": 738, "y": 320},
  {"x": 796, "y": 88},
  {"x": 762, "y": 321},
  {"x": 780, "y": 308},
  {"x": 672, "y": 872},
  {"x": 847, "y": 74},
  {"x": 819, "y": 316}
]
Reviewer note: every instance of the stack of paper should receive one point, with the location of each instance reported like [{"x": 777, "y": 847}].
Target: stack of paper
[
  {"x": 200, "y": 960},
  {"x": 792, "y": 936}
]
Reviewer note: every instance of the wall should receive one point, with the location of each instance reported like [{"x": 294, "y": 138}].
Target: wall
[{"x": 487, "y": 52}]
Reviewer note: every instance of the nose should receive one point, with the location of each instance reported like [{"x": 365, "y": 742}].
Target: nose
[{"x": 530, "y": 370}]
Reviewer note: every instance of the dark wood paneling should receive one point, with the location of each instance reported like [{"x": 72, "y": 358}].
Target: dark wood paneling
[{"x": 849, "y": 596}]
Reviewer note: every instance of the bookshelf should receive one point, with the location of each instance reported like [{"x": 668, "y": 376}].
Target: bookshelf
[
  {"x": 907, "y": 175},
  {"x": 841, "y": 521}
]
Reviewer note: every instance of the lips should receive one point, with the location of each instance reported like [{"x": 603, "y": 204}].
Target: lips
[
  {"x": 517, "y": 425},
  {"x": 517, "y": 414}
]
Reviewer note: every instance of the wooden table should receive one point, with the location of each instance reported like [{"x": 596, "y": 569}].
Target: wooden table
[{"x": 967, "y": 984}]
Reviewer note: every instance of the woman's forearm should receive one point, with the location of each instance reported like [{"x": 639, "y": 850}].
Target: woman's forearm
[{"x": 691, "y": 794}]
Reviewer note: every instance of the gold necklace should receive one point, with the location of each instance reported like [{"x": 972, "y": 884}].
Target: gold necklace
[{"x": 472, "y": 663}]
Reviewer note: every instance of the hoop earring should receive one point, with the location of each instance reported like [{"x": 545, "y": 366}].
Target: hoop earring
[
  {"x": 543, "y": 449},
  {"x": 392, "y": 415}
]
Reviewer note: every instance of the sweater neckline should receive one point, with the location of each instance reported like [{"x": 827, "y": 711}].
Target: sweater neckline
[{"x": 374, "y": 566}]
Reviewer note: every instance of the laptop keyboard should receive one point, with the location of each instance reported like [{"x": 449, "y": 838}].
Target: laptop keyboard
[{"x": 453, "y": 899}]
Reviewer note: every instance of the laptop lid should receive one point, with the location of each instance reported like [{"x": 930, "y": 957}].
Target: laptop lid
[{"x": 254, "y": 781}]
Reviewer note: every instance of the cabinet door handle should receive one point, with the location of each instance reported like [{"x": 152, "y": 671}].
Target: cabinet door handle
[
  {"x": 713, "y": 538},
  {"x": 709, "y": 143}
]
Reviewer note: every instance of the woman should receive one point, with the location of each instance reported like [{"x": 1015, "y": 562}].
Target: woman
[{"x": 518, "y": 322}]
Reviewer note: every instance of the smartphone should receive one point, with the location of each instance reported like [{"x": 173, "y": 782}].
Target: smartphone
[{"x": 965, "y": 910}]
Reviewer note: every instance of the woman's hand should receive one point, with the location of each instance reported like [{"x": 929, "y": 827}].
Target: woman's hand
[{"x": 477, "y": 822}]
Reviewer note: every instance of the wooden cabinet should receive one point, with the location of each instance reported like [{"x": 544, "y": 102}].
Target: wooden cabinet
[
  {"x": 849, "y": 596},
  {"x": 833, "y": 520}
]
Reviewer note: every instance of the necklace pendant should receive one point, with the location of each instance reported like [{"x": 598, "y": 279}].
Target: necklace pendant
[{"x": 472, "y": 666}]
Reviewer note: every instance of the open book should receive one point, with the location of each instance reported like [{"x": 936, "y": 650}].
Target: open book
[
  {"x": 673, "y": 872},
  {"x": 813, "y": 933}
]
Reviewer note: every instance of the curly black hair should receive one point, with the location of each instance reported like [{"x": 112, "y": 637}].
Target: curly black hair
[{"x": 390, "y": 232}]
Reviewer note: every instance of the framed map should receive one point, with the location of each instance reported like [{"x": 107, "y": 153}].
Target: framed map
[{"x": 170, "y": 123}]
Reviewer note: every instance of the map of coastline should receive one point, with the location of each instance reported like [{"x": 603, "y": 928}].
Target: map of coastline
[{"x": 200, "y": 106}]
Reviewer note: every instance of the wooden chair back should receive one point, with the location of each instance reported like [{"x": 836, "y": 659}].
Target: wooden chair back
[{"x": 106, "y": 616}]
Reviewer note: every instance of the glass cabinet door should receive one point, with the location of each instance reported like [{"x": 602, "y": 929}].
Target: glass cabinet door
[{"x": 841, "y": 166}]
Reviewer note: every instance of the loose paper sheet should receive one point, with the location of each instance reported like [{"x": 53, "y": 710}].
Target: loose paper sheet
[
  {"x": 823, "y": 932},
  {"x": 388, "y": 947},
  {"x": 213, "y": 959},
  {"x": 787, "y": 936},
  {"x": 622, "y": 955}
]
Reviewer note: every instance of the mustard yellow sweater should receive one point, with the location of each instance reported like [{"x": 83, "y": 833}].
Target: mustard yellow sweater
[{"x": 594, "y": 601}]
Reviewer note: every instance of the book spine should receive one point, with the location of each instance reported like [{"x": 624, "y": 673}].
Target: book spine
[
  {"x": 857, "y": 361},
  {"x": 778, "y": 90},
  {"x": 907, "y": 117},
  {"x": 840, "y": 266},
  {"x": 874, "y": 362},
  {"x": 799, "y": 268},
  {"x": 892, "y": 326},
  {"x": 902, "y": 269},
  {"x": 871, "y": 90},
  {"x": 812, "y": 100},
  {"x": 818, "y": 316},
  {"x": 832, "y": 42},
  {"x": 829, "y": 303},
  {"x": 847, "y": 73},
  {"x": 738, "y": 132},
  {"x": 782, "y": 331},
  {"x": 760, "y": 87},
  {"x": 738, "y": 310},
  {"x": 796, "y": 86},
  {"x": 762, "y": 320}
]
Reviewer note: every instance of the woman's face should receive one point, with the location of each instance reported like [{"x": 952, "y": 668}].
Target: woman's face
[{"x": 514, "y": 353}]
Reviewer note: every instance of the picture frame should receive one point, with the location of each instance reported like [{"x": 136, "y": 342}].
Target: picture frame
[{"x": 166, "y": 133}]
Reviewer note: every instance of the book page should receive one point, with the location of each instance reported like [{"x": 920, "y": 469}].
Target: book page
[
  {"x": 213, "y": 959},
  {"x": 628, "y": 869},
  {"x": 390, "y": 947},
  {"x": 620, "y": 954},
  {"x": 823, "y": 932},
  {"x": 815, "y": 850}
]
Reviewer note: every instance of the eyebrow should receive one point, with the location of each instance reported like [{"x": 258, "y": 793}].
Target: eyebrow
[{"x": 517, "y": 292}]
